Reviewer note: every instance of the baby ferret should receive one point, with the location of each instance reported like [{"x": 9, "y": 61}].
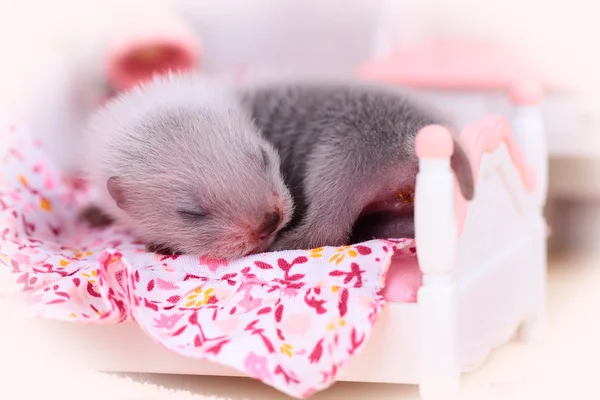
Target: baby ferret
[
  {"x": 180, "y": 162},
  {"x": 348, "y": 156}
]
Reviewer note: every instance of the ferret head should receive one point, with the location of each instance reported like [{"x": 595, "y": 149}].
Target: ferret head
[{"x": 197, "y": 180}]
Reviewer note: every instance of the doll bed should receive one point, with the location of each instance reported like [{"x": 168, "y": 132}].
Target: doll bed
[{"x": 480, "y": 275}]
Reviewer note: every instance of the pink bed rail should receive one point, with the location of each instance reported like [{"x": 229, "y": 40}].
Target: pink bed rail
[{"x": 484, "y": 136}]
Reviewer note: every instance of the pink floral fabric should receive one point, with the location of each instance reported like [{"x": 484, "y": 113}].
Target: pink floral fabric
[{"x": 290, "y": 319}]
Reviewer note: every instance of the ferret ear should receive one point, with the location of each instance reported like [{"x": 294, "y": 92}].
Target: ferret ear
[
  {"x": 464, "y": 173},
  {"x": 116, "y": 191}
]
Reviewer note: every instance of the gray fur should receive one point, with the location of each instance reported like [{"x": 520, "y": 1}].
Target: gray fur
[
  {"x": 183, "y": 143},
  {"x": 345, "y": 148}
]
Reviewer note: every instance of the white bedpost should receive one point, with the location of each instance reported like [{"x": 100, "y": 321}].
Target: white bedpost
[
  {"x": 436, "y": 241},
  {"x": 528, "y": 128}
]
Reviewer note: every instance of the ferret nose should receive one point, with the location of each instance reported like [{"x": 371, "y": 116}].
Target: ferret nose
[{"x": 269, "y": 225}]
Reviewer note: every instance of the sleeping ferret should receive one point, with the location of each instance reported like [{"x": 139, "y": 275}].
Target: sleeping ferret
[
  {"x": 348, "y": 156},
  {"x": 180, "y": 162}
]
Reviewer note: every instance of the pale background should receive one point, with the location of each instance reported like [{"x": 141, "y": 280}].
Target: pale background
[{"x": 45, "y": 46}]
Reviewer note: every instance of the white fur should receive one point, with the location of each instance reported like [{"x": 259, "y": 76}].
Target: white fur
[{"x": 184, "y": 141}]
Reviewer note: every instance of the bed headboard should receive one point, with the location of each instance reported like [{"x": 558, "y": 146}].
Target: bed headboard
[
  {"x": 440, "y": 209},
  {"x": 485, "y": 136}
]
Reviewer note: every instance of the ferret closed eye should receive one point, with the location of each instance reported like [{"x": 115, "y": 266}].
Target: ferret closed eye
[{"x": 171, "y": 160}]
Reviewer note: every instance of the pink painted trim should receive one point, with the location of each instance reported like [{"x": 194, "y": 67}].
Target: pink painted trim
[
  {"x": 457, "y": 64},
  {"x": 527, "y": 93},
  {"x": 434, "y": 141},
  {"x": 185, "y": 51},
  {"x": 483, "y": 137}
]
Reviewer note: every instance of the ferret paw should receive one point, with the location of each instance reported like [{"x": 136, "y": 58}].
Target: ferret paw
[{"x": 95, "y": 217}]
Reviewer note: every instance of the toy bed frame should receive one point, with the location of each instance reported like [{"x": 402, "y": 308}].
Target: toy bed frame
[{"x": 483, "y": 266}]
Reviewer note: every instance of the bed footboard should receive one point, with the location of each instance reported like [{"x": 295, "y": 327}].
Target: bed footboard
[{"x": 483, "y": 262}]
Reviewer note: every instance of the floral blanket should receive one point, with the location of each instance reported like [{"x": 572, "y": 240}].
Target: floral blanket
[{"x": 291, "y": 319}]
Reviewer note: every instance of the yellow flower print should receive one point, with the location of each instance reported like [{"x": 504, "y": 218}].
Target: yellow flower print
[
  {"x": 23, "y": 180},
  {"x": 90, "y": 277},
  {"x": 5, "y": 260},
  {"x": 317, "y": 253},
  {"x": 45, "y": 204},
  {"x": 341, "y": 253},
  {"x": 80, "y": 254},
  {"x": 340, "y": 322},
  {"x": 196, "y": 299},
  {"x": 286, "y": 349}
]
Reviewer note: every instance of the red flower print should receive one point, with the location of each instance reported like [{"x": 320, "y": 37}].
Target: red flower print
[
  {"x": 280, "y": 335},
  {"x": 24, "y": 280},
  {"x": 278, "y": 313},
  {"x": 264, "y": 310},
  {"x": 59, "y": 301},
  {"x": 229, "y": 278},
  {"x": 291, "y": 281},
  {"x": 200, "y": 339},
  {"x": 213, "y": 263},
  {"x": 288, "y": 376},
  {"x": 363, "y": 250},
  {"x": 312, "y": 302},
  {"x": 166, "y": 285},
  {"x": 56, "y": 230},
  {"x": 179, "y": 331},
  {"x": 216, "y": 349},
  {"x": 167, "y": 321},
  {"x": 263, "y": 265},
  {"x": 27, "y": 226},
  {"x": 258, "y": 331},
  {"x": 315, "y": 355},
  {"x": 328, "y": 376},
  {"x": 354, "y": 343},
  {"x": 174, "y": 299},
  {"x": 150, "y": 305},
  {"x": 247, "y": 275},
  {"x": 343, "y": 303},
  {"x": 92, "y": 290},
  {"x": 15, "y": 266},
  {"x": 187, "y": 277},
  {"x": 355, "y": 273}
]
